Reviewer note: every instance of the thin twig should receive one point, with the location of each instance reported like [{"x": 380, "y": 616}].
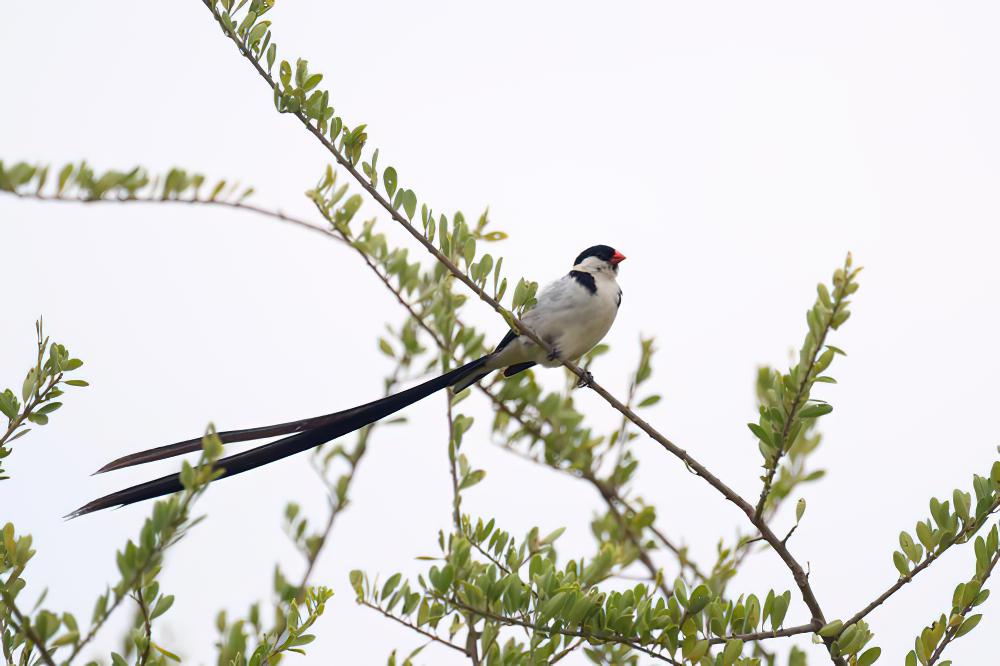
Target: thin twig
[
  {"x": 604, "y": 638},
  {"x": 630, "y": 534},
  {"x": 903, "y": 580},
  {"x": 28, "y": 631},
  {"x": 414, "y": 627},
  {"x": 337, "y": 507},
  {"x": 148, "y": 627},
  {"x": 952, "y": 632},
  {"x": 812, "y": 627},
  {"x": 235, "y": 205},
  {"x": 838, "y": 300}
]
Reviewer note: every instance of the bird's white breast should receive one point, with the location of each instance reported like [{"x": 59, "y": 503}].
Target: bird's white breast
[{"x": 572, "y": 318}]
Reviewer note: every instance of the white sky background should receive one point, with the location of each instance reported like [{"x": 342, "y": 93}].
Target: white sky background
[{"x": 734, "y": 152}]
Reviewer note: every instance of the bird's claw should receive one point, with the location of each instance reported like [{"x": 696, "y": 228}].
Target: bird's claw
[
  {"x": 586, "y": 381},
  {"x": 554, "y": 354}
]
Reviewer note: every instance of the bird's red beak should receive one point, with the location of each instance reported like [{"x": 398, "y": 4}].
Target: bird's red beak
[{"x": 617, "y": 258}]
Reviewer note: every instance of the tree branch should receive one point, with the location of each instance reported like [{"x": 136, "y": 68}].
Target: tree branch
[
  {"x": 414, "y": 627},
  {"x": 800, "y": 393},
  {"x": 952, "y": 632},
  {"x": 605, "y": 638},
  {"x": 235, "y": 205},
  {"x": 764, "y": 635},
  {"x": 28, "y": 630},
  {"x": 903, "y": 580}
]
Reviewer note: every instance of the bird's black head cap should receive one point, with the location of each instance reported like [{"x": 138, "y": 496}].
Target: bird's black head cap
[{"x": 602, "y": 252}]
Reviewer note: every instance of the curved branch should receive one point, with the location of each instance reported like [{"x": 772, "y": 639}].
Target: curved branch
[
  {"x": 810, "y": 628},
  {"x": 953, "y": 630},
  {"x": 604, "y": 638},
  {"x": 903, "y": 580},
  {"x": 410, "y": 625},
  {"x": 236, "y": 205}
]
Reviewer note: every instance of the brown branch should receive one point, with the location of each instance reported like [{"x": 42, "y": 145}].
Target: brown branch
[
  {"x": 28, "y": 631},
  {"x": 810, "y": 628},
  {"x": 422, "y": 632},
  {"x": 235, "y": 205},
  {"x": 147, "y": 626},
  {"x": 797, "y": 402},
  {"x": 952, "y": 632},
  {"x": 337, "y": 508},
  {"x": 456, "y": 494},
  {"x": 610, "y": 497},
  {"x": 903, "y": 580},
  {"x": 604, "y": 638},
  {"x": 559, "y": 656}
]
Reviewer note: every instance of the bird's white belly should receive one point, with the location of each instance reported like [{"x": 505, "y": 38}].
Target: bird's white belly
[
  {"x": 569, "y": 318},
  {"x": 572, "y": 332}
]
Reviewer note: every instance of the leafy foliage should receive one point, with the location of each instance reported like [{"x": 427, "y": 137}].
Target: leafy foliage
[
  {"x": 79, "y": 182},
  {"x": 39, "y": 392}
]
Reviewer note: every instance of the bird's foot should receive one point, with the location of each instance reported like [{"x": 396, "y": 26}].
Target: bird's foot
[
  {"x": 554, "y": 355},
  {"x": 586, "y": 381}
]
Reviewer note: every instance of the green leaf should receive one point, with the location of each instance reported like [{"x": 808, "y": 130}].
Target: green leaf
[
  {"x": 760, "y": 433},
  {"x": 312, "y": 82},
  {"x": 733, "y": 649},
  {"x": 390, "y": 585},
  {"x": 389, "y": 179},
  {"x": 902, "y": 564},
  {"x": 815, "y": 411},
  {"x": 163, "y": 604},
  {"x": 870, "y": 656},
  {"x": 166, "y": 653},
  {"x": 9, "y": 404},
  {"x": 410, "y": 203},
  {"x": 649, "y": 401},
  {"x": 969, "y": 624},
  {"x": 472, "y": 478},
  {"x": 272, "y": 51},
  {"x": 779, "y": 608},
  {"x": 831, "y": 629},
  {"x": 800, "y": 509}
]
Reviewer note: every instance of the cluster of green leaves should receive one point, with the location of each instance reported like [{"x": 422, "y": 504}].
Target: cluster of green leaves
[
  {"x": 245, "y": 642},
  {"x": 40, "y": 389},
  {"x": 456, "y": 239},
  {"x": 521, "y": 584},
  {"x": 795, "y": 469},
  {"x": 967, "y": 596},
  {"x": 947, "y": 524},
  {"x": 80, "y": 182},
  {"x": 850, "y": 641},
  {"x": 139, "y": 563},
  {"x": 296, "y": 91},
  {"x": 786, "y": 406}
]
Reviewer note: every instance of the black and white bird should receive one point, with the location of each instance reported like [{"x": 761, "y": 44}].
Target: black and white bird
[{"x": 572, "y": 315}]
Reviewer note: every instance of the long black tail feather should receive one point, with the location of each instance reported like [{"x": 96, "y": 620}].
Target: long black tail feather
[
  {"x": 226, "y": 437},
  {"x": 323, "y": 429}
]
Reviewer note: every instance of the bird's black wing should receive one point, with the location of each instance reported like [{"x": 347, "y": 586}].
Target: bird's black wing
[
  {"x": 507, "y": 339},
  {"x": 512, "y": 370}
]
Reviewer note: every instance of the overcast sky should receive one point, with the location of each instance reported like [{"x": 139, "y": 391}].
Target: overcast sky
[{"x": 734, "y": 151}]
